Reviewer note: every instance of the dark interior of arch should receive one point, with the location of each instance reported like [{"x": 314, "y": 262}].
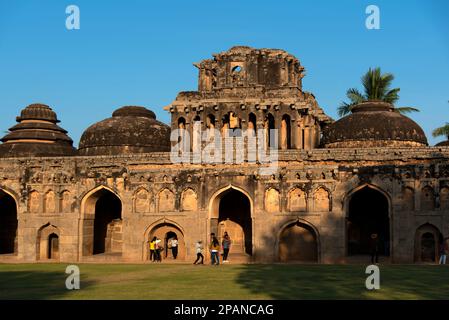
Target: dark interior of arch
[
  {"x": 107, "y": 208},
  {"x": 235, "y": 218},
  {"x": 298, "y": 243},
  {"x": 53, "y": 246},
  {"x": 368, "y": 213},
  {"x": 8, "y": 224}
]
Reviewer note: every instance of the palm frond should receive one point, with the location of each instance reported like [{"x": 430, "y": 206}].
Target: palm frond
[
  {"x": 355, "y": 96},
  {"x": 404, "y": 110},
  {"x": 344, "y": 109},
  {"x": 441, "y": 131}
]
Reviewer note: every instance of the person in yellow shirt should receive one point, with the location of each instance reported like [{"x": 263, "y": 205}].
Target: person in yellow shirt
[
  {"x": 152, "y": 249},
  {"x": 214, "y": 249}
]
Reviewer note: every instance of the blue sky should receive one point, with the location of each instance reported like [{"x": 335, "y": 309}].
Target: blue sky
[{"x": 141, "y": 52}]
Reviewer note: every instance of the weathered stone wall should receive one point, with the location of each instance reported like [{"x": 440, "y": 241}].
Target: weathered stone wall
[{"x": 312, "y": 187}]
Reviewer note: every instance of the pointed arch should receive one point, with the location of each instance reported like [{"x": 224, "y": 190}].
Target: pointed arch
[
  {"x": 101, "y": 222},
  {"x": 427, "y": 198},
  {"x": 48, "y": 242},
  {"x": 215, "y": 198},
  {"x": 368, "y": 212},
  {"x": 166, "y": 200},
  {"x": 444, "y": 198},
  {"x": 300, "y": 245},
  {"x": 8, "y": 223},
  {"x": 34, "y": 202},
  {"x": 408, "y": 199},
  {"x": 427, "y": 240},
  {"x": 272, "y": 200},
  {"x": 297, "y": 200},
  {"x": 65, "y": 201},
  {"x": 189, "y": 200},
  {"x": 231, "y": 209},
  {"x": 142, "y": 200},
  {"x": 160, "y": 228},
  {"x": 50, "y": 202},
  {"x": 349, "y": 195},
  {"x": 322, "y": 199}
]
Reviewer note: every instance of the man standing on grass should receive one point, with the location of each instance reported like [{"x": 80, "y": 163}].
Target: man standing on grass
[{"x": 374, "y": 244}]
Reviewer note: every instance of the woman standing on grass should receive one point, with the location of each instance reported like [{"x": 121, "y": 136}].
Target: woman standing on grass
[
  {"x": 214, "y": 249},
  {"x": 226, "y": 244}
]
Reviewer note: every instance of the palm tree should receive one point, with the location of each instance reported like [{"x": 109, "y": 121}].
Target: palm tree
[
  {"x": 441, "y": 131},
  {"x": 376, "y": 87}
]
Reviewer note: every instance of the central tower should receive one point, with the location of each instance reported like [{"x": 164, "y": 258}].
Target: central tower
[{"x": 251, "y": 89}]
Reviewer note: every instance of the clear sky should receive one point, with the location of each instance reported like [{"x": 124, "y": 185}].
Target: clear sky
[{"x": 141, "y": 52}]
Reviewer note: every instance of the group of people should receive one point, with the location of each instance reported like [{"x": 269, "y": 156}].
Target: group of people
[
  {"x": 156, "y": 248},
  {"x": 214, "y": 248}
]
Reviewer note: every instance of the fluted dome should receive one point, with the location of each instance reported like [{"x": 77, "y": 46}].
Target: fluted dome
[
  {"x": 36, "y": 134},
  {"x": 374, "y": 124},
  {"x": 131, "y": 129}
]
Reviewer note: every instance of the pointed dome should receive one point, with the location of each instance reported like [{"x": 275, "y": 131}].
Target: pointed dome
[
  {"x": 374, "y": 124},
  {"x": 36, "y": 135},
  {"x": 131, "y": 129}
]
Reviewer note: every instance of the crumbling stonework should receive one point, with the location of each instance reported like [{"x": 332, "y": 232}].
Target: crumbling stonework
[{"x": 106, "y": 208}]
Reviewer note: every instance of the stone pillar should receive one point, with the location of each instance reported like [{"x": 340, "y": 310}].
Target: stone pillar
[
  {"x": 307, "y": 138},
  {"x": 283, "y": 135}
]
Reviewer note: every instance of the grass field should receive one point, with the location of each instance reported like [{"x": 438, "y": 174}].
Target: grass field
[{"x": 170, "y": 281}]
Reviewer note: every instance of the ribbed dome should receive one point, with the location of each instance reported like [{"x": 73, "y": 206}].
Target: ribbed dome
[
  {"x": 131, "y": 129},
  {"x": 36, "y": 134},
  {"x": 374, "y": 124},
  {"x": 38, "y": 111}
]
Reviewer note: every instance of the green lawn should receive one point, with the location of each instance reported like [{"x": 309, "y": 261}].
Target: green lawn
[{"x": 170, "y": 281}]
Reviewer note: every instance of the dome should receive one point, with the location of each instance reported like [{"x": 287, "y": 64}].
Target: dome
[
  {"x": 374, "y": 124},
  {"x": 443, "y": 144},
  {"x": 36, "y": 135},
  {"x": 131, "y": 129}
]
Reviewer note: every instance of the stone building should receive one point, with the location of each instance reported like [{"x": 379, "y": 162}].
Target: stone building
[{"x": 335, "y": 183}]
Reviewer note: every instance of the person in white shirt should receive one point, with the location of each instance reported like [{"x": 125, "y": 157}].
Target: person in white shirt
[
  {"x": 199, "y": 252},
  {"x": 174, "y": 247},
  {"x": 158, "y": 249}
]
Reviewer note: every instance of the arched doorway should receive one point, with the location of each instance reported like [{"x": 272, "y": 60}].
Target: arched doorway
[
  {"x": 298, "y": 243},
  {"x": 368, "y": 213},
  {"x": 165, "y": 231},
  {"x": 53, "y": 247},
  {"x": 48, "y": 243},
  {"x": 102, "y": 224},
  {"x": 427, "y": 240},
  {"x": 8, "y": 224},
  {"x": 231, "y": 213}
]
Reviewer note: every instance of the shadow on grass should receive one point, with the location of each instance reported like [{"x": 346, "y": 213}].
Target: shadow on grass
[
  {"x": 344, "y": 282},
  {"x": 35, "y": 285}
]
